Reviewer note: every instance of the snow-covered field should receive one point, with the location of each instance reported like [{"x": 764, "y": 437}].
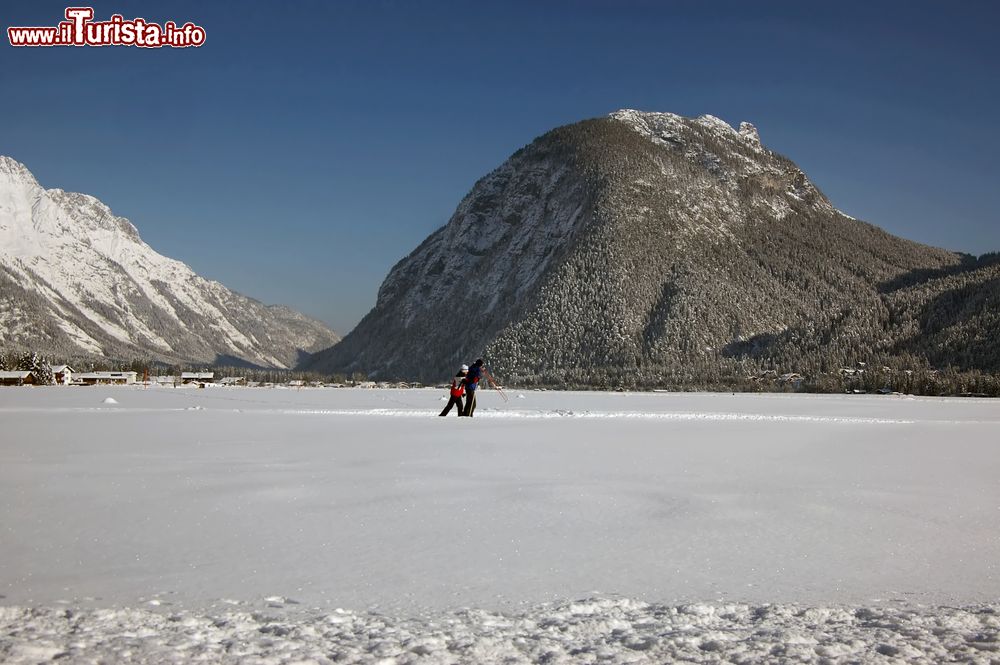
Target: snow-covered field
[{"x": 324, "y": 524}]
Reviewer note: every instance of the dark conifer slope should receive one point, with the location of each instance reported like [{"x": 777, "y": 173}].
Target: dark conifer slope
[{"x": 651, "y": 249}]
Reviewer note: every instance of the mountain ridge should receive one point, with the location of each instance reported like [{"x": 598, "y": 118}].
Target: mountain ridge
[
  {"x": 645, "y": 247},
  {"x": 76, "y": 280}
]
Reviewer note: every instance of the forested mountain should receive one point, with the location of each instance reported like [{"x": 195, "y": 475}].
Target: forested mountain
[
  {"x": 76, "y": 281},
  {"x": 652, "y": 249}
]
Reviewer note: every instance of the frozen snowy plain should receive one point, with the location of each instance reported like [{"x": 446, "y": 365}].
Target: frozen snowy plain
[{"x": 318, "y": 525}]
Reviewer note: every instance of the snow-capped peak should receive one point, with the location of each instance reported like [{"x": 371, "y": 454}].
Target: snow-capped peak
[
  {"x": 636, "y": 116},
  {"x": 749, "y": 133},
  {"x": 86, "y": 277},
  {"x": 666, "y": 126},
  {"x": 718, "y": 124},
  {"x": 13, "y": 171}
]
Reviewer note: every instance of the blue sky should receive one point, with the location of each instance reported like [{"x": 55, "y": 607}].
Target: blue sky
[{"x": 308, "y": 146}]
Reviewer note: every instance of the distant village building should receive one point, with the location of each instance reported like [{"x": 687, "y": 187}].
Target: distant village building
[
  {"x": 104, "y": 378},
  {"x": 17, "y": 378},
  {"x": 197, "y": 377},
  {"x": 233, "y": 380},
  {"x": 296, "y": 383},
  {"x": 62, "y": 374}
]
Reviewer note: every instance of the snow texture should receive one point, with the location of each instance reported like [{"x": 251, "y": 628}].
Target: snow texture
[
  {"x": 255, "y": 525},
  {"x": 587, "y": 631}
]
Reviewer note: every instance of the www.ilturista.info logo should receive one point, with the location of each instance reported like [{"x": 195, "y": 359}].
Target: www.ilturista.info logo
[{"x": 79, "y": 29}]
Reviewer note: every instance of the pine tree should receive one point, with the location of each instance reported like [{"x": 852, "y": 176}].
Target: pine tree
[{"x": 39, "y": 368}]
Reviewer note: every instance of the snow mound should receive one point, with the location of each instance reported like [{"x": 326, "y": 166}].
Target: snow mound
[
  {"x": 611, "y": 630},
  {"x": 110, "y": 400}
]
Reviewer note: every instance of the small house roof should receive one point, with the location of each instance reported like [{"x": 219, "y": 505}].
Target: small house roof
[
  {"x": 56, "y": 369},
  {"x": 197, "y": 375},
  {"x": 20, "y": 374}
]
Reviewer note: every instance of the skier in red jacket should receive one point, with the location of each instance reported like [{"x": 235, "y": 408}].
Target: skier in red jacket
[{"x": 457, "y": 391}]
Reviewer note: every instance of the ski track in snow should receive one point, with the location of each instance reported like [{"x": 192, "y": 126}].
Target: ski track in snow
[
  {"x": 587, "y": 631},
  {"x": 562, "y": 413},
  {"x": 497, "y": 414},
  {"x": 522, "y": 414},
  {"x": 414, "y": 407}
]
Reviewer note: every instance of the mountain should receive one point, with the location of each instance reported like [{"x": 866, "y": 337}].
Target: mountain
[
  {"x": 77, "y": 281},
  {"x": 649, "y": 248}
]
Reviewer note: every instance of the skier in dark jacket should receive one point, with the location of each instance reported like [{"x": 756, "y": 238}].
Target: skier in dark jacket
[
  {"x": 457, "y": 390},
  {"x": 471, "y": 384}
]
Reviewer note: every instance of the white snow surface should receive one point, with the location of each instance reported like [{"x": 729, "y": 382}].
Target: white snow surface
[{"x": 328, "y": 525}]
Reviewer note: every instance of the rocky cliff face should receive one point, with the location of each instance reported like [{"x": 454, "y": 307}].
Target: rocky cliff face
[
  {"x": 647, "y": 246},
  {"x": 78, "y": 281}
]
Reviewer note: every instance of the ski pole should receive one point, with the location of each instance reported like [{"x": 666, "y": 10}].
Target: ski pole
[{"x": 493, "y": 383}]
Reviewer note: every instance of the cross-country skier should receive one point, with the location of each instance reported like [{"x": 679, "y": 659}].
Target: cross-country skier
[
  {"x": 457, "y": 390},
  {"x": 471, "y": 384}
]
